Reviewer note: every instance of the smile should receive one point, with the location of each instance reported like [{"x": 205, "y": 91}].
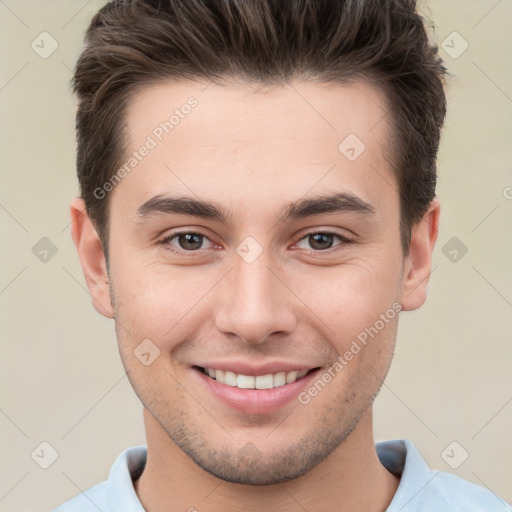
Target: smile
[{"x": 269, "y": 381}]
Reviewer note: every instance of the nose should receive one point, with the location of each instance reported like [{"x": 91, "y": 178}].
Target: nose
[{"x": 254, "y": 302}]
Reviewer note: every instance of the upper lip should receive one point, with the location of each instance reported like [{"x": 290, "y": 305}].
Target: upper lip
[{"x": 256, "y": 370}]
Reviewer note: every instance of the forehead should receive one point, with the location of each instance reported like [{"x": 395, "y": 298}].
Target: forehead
[
  {"x": 259, "y": 143},
  {"x": 246, "y": 112}
]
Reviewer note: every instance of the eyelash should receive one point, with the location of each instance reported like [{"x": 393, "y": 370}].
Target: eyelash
[{"x": 344, "y": 241}]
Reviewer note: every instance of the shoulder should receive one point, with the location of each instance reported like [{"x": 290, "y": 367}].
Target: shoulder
[
  {"x": 92, "y": 500},
  {"x": 117, "y": 493},
  {"x": 464, "y": 495},
  {"x": 445, "y": 492},
  {"x": 422, "y": 489}
]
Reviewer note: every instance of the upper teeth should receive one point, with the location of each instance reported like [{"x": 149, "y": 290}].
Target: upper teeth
[{"x": 271, "y": 380}]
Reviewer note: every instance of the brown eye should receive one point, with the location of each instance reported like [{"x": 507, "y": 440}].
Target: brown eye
[
  {"x": 185, "y": 241},
  {"x": 190, "y": 241},
  {"x": 322, "y": 241}
]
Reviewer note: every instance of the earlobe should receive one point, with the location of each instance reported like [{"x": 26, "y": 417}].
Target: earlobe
[
  {"x": 92, "y": 258},
  {"x": 418, "y": 265}
]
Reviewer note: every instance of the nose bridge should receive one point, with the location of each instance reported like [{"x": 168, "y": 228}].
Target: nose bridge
[{"x": 253, "y": 302}]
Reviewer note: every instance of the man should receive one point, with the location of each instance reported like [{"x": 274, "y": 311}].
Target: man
[{"x": 257, "y": 208}]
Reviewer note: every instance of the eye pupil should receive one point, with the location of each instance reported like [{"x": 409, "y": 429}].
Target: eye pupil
[
  {"x": 189, "y": 239},
  {"x": 317, "y": 237}
]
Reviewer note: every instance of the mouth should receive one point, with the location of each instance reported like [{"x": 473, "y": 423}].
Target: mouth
[
  {"x": 268, "y": 381},
  {"x": 257, "y": 389}
]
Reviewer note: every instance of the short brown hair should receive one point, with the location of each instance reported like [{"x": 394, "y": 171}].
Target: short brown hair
[{"x": 133, "y": 43}]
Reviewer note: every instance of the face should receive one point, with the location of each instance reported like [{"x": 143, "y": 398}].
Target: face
[{"x": 262, "y": 279}]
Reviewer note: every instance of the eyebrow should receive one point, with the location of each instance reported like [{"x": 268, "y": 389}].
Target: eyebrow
[{"x": 343, "y": 202}]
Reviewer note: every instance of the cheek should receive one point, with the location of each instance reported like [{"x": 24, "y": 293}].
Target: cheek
[
  {"x": 159, "y": 302},
  {"x": 350, "y": 298}
]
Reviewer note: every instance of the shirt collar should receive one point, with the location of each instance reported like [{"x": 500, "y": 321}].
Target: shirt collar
[
  {"x": 125, "y": 470},
  {"x": 399, "y": 456}
]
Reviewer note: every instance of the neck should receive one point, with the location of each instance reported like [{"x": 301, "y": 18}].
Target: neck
[{"x": 351, "y": 478}]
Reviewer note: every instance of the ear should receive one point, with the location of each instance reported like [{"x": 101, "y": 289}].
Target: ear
[
  {"x": 92, "y": 258},
  {"x": 418, "y": 264}
]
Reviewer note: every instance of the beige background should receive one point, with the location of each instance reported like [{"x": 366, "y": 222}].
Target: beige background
[{"x": 61, "y": 378}]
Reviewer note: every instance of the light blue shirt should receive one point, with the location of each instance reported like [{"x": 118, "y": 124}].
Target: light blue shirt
[{"x": 421, "y": 489}]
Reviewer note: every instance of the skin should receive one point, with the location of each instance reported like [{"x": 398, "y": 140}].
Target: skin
[{"x": 252, "y": 151}]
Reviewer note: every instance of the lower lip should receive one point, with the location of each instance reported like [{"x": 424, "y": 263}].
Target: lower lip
[{"x": 255, "y": 401}]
